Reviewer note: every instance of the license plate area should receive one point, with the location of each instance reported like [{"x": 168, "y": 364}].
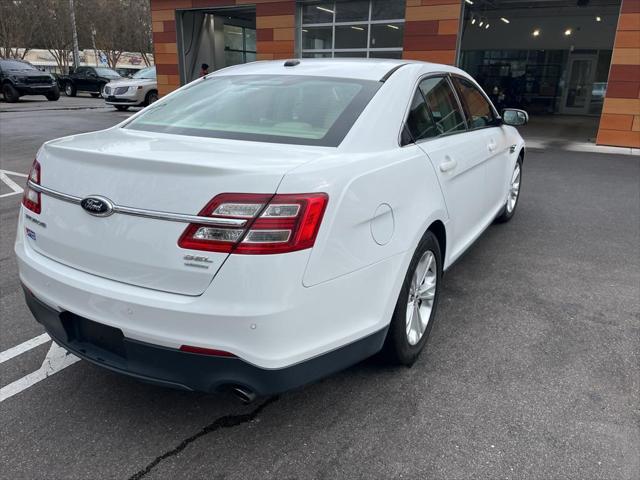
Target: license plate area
[{"x": 88, "y": 335}]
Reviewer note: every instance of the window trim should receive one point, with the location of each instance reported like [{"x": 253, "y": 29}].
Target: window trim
[
  {"x": 408, "y": 109},
  {"x": 498, "y": 119}
]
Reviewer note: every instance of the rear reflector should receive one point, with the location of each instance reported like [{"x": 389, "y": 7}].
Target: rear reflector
[
  {"x": 31, "y": 198},
  {"x": 205, "y": 351},
  {"x": 276, "y": 224}
]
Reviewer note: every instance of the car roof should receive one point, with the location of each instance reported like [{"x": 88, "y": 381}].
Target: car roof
[{"x": 357, "y": 68}]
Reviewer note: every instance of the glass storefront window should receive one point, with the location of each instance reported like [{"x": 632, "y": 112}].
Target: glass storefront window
[
  {"x": 317, "y": 38},
  {"x": 239, "y": 45},
  {"x": 353, "y": 28},
  {"x": 384, "y": 35},
  {"x": 351, "y": 36},
  {"x": 353, "y": 11}
]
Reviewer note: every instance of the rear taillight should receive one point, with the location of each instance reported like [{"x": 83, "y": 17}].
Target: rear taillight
[
  {"x": 274, "y": 223},
  {"x": 31, "y": 198}
]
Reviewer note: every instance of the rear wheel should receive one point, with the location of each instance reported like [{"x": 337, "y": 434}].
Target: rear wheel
[
  {"x": 53, "y": 95},
  {"x": 509, "y": 209},
  {"x": 417, "y": 303},
  {"x": 70, "y": 89},
  {"x": 151, "y": 97},
  {"x": 122, "y": 108},
  {"x": 11, "y": 94}
]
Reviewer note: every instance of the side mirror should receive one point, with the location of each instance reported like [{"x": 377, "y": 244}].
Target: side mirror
[{"x": 514, "y": 117}]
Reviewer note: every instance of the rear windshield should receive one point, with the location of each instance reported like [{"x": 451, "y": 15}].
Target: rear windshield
[{"x": 292, "y": 109}]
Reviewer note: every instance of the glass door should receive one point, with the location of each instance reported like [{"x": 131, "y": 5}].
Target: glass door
[{"x": 579, "y": 86}]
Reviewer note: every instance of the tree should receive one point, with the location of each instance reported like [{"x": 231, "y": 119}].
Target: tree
[
  {"x": 18, "y": 27},
  {"x": 56, "y": 31}
]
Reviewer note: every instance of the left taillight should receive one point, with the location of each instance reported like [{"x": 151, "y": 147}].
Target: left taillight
[
  {"x": 272, "y": 224},
  {"x": 31, "y": 198}
]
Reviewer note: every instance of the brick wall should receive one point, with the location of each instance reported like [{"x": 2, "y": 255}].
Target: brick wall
[
  {"x": 620, "y": 121},
  {"x": 431, "y": 30},
  {"x": 275, "y": 23}
]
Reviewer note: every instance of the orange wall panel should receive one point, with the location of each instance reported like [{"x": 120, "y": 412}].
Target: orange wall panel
[{"x": 620, "y": 121}]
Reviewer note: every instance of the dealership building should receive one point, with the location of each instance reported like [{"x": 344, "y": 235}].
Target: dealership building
[{"x": 550, "y": 57}]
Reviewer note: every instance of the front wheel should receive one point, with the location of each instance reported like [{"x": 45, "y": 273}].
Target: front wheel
[
  {"x": 150, "y": 98},
  {"x": 509, "y": 209},
  {"x": 122, "y": 108},
  {"x": 95, "y": 95},
  {"x": 415, "y": 310},
  {"x": 53, "y": 95},
  {"x": 11, "y": 94}
]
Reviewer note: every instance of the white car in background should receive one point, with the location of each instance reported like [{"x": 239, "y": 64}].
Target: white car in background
[
  {"x": 268, "y": 224},
  {"x": 138, "y": 91}
]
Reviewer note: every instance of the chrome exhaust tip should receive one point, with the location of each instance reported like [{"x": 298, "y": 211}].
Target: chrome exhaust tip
[{"x": 243, "y": 394}]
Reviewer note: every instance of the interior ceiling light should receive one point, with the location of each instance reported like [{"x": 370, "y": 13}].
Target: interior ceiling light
[
  {"x": 486, "y": 26},
  {"x": 469, "y": 2},
  {"x": 325, "y": 9},
  {"x": 505, "y": 20},
  {"x": 473, "y": 21},
  {"x": 568, "y": 32},
  {"x": 598, "y": 19},
  {"x": 395, "y": 27},
  {"x": 536, "y": 32},
  {"x": 358, "y": 28},
  {"x": 481, "y": 23}
]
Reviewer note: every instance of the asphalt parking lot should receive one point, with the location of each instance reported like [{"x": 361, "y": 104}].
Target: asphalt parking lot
[{"x": 531, "y": 370}]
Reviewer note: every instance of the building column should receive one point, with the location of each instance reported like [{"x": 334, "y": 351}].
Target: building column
[
  {"x": 431, "y": 30},
  {"x": 620, "y": 120}
]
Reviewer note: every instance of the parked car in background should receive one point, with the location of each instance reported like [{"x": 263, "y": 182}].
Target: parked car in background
[
  {"x": 268, "y": 224},
  {"x": 19, "y": 78},
  {"x": 88, "y": 79},
  {"x": 138, "y": 91}
]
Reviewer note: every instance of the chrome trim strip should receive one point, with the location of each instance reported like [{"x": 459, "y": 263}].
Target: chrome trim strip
[{"x": 140, "y": 212}]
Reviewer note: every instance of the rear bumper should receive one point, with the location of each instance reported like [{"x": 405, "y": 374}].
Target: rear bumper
[{"x": 170, "y": 367}]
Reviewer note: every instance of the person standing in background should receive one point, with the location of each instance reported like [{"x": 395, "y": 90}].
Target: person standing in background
[{"x": 204, "y": 69}]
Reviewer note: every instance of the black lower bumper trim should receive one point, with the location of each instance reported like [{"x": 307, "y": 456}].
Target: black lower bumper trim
[{"x": 107, "y": 347}]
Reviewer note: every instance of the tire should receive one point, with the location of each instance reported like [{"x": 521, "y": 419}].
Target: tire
[
  {"x": 11, "y": 94},
  {"x": 53, "y": 95},
  {"x": 515, "y": 181},
  {"x": 404, "y": 342},
  {"x": 122, "y": 108},
  {"x": 151, "y": 97},
  {"x": 101, "y": 94},
  {"x": 70, "y": 89},
  {"x": 95, "y": 95}
]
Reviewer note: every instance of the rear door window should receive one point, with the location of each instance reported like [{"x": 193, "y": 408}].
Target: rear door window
[
  {"x": 443, "y": 105},
  {"x": 479, "y": 112},
  {"x": 420, "y": 122}
]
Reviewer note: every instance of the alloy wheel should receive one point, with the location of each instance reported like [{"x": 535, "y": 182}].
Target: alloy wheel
[
  {"x": 422, "y": 292},
  {"x": 514, "y": 189}
]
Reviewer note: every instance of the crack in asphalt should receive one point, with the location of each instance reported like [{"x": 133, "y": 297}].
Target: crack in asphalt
[{"x": 228, "y": 421}]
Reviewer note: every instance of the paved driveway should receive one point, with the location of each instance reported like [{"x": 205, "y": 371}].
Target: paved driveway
[{"x": 531, "y": 370}]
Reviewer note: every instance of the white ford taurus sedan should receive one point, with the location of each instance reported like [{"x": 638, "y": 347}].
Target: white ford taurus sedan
[{"x": 268, "y": 224}]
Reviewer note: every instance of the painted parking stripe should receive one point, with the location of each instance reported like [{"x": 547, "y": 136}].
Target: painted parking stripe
[
  {"x": 4, "y": 177},
  {"x": 24, "y": 347},
  {"x": 56, "y": 360}
]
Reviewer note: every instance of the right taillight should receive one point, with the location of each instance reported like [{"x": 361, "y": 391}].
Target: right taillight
[
  {"x": 273, "y": 223},
  {"x": 31, "y": 198}
]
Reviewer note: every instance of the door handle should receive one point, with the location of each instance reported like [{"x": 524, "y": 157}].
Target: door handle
[
  {"x": 448, "y": 165},
  {"x": 492, "y": 146}
]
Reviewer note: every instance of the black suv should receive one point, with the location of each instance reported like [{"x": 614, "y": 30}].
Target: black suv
[
  {"x": 88, "y": 79},
  {"x": 19, "y": 78}
]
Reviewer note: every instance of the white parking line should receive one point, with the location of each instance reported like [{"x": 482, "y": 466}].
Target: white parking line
[
  {"x": 17, "y": 189},
  {"x": 56, "y": 360},
  {"x": 24, "y": 347}
]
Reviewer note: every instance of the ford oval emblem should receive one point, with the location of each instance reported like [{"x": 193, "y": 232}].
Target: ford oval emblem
[{"x": 97, "y": 206}]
